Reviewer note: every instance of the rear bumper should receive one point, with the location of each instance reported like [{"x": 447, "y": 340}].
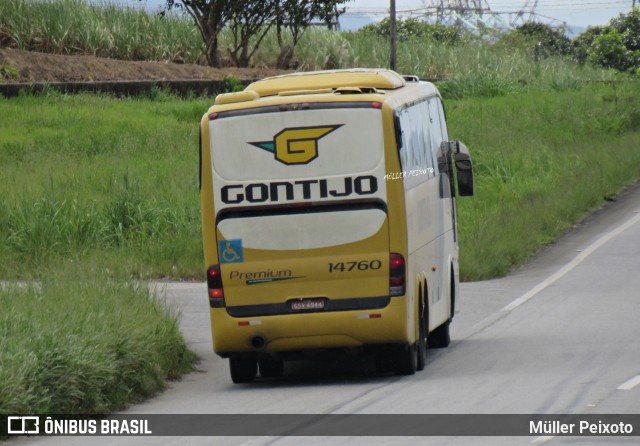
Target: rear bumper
[{"x": 311, "y": 331}]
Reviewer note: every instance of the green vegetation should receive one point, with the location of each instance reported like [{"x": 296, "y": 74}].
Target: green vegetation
[
  {"x": 534, "y": 55},
  {"x": 105, "y": 29},
  {"x": 542, "y": 162},
  {"x": 232, "y": 84},
  {"x": 97, "y": 193},
  {"x": 412, "y": 28},
  {"x": 9, "y": 72},
  {"x": 617, "y": 45},
  {"x": 113, "y": 182}
]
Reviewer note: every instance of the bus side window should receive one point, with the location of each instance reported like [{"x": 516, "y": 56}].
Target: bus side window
[
  {"x": 404, "y": 134},
  {"x": 438, "y": 135},
  {"x": 443, "y": 121},
  {"x": 436, "y": 131},
  {"x": 415, "y": 155},
  {"x": 427, "y": 164},
  {"x": 418, "y": 147}
]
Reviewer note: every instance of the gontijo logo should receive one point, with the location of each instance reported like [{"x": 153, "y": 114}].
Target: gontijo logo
[{"x": 298, "y": 145}]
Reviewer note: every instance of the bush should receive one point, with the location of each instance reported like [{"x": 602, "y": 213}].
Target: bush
[
  {"x": 9, "y": 72},
  {"x": 615, "y": 46},
  {"x": 539, "y": 39},
  {"x": 584, "y": 41},
  {"x": 94, "y": 345},
  {"x": 608, "y": 50},
  {"x": 417, "y": 29}
]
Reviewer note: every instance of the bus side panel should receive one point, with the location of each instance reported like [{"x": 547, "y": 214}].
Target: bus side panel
[
  {"x": 207, "y": 212},
  {"x": 397, "y": 214},
  {"x": 428, "y": 232}
]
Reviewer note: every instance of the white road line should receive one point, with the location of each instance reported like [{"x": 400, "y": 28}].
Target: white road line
[
  {"x": 543, "y": 439},
  {"x": 491, "y": 319},
  {"x": 570, "y": 266},
  {"x": 630, "y": 384}
]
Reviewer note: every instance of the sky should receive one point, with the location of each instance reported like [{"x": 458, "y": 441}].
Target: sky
[{"x": 573, "y": 13}]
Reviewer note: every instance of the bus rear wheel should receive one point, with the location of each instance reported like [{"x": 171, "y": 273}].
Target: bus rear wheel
[
  {"x": 421, "y": 345},
  {"x": 271, "y": 368},
  {"x": 243, "y": 370},
  {"x": 401, "y": 361},
  {"x": 439, "y": 338},
  {"x": 423, "y": 321},
  {"x": 405, "y": 361}
]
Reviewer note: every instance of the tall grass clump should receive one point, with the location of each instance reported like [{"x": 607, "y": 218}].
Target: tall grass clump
[
  {"x": 71, "y": 345},
  {"x": 113, "y": 182},
  {"x": 471, "y": 69},
  {"x": 105, "y": 29},
  {"x": 97, "y": 194},
  {"x": 542, "y": 161}
]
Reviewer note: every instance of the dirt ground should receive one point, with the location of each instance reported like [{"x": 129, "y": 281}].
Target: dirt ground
[{"x": 35, "y": 67}]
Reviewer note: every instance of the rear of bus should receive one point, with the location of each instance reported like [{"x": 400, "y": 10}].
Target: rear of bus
[{"x": 297, "y": 226}]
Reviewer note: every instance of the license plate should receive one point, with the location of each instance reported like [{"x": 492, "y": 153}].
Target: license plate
[{"x": 307, "y": 304}]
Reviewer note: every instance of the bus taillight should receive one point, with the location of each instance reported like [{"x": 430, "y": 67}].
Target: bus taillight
[
  {"x": 397, "y": 277},
  {"x": 214, "y": 285}
]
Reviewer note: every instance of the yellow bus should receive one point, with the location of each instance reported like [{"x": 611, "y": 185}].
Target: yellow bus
[{"x": 329, "y": 219}]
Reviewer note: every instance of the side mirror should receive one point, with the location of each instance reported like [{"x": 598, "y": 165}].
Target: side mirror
[{"x": 464, "y": 168}]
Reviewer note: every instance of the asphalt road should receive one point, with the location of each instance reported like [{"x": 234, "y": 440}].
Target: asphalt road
[{"x": 560, "y": 335}]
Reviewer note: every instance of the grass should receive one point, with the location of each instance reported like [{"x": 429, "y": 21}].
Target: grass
[
  {"x": 469, "y": 70},
  {"x": 97, "y": 193},
  {"x": 112, "y": 181},
  {"x": 542, "y": 162},
  {"x": 93, "y": 345},
  {"x": 105, "y": 29}
]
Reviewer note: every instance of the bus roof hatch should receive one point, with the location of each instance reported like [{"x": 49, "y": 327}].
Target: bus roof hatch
[{"x": 366, "y": 78}]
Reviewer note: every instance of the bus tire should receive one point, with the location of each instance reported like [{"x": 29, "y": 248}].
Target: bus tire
[
  {"x": 383, "y": 362},
  {"x": 271, "y": 368},
  {"x": 439, "y": 338},
  {"x": 243, "y": 370},
  {"x": 405, "y": 361},
  {"x": 398, "y": 360}
]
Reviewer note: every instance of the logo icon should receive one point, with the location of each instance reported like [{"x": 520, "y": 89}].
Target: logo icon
[
  {"x": 298, "y": 145},
  {"x": 23, "y": 425},
  {"x": 230, "y": 251}
]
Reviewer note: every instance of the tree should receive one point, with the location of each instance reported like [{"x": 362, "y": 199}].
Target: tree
[
  {"x": 584, "y": 41},
  {"x": 614, "y": 46},
  {"x": 608, "y": 50},
  {"x": 413, "y": 28},
  {"x": 296, "y": 16},
  {"x": 250, "y": 20},
  {"x": 629, "y": 28},
  {"x": 210, "y": 16},
  {"x": 545, "y": 40}
]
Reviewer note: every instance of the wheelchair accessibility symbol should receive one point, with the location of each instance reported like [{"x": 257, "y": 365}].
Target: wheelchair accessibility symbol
[{"x": 230, "y": 251}]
